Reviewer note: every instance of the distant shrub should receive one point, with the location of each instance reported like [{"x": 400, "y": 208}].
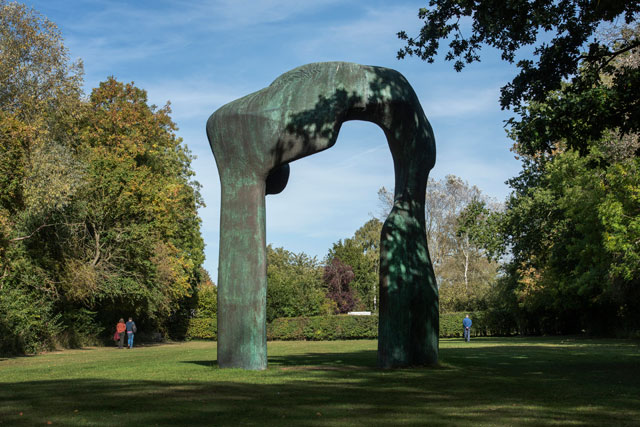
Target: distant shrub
[
  {"x": 335, "y": 327},
  {"x": 345, "y": 327},
  {"x": 323, "y": 328},
  {"x": 500, "y": 322},
  {"x": 80, "y": 329},
  {"x": 451, "y": 324},
  {"x": 202, "y": 328},
  {"x": 28, "y": 324}
]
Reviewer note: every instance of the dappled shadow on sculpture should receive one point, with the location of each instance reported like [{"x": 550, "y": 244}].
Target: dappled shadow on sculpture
[{"x": 254, "y": 139}]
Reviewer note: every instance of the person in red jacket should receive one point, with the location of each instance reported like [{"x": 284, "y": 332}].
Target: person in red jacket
[{"x": 120, "y": 329}]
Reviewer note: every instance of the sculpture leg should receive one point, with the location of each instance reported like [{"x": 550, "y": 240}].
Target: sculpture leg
[
  {"x": 242, "y": 283},
  {"x": 408, "y": 321}
]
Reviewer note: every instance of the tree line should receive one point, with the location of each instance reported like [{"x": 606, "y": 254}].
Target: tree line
[{"x": 98, "y": 206}]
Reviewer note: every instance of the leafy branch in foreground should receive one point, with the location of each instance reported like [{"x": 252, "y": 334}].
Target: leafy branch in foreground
[{"x": 571, "y": 25}]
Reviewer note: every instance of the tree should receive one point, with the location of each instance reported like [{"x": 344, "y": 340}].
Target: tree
[
  {"x": 509, "y": 27},
  {"x": 40, "y": 99},
  {"x": 338, "y": 276},
  {"x": 139, "y": 243},
  {"x": 570, "y": 225},
  {"x": 362, "y": 253},
  {"x": 583, "y": 72},
  {"x": 294, "y": 285},
  {"x": 40, "y": 94},
  {"x": 569, "y": 229},
  {"x": 98, "y": 207},
  {"x": 455, "y": 222}
]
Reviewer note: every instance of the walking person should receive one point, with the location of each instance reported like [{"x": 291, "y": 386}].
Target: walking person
[
  {"x": 121, "y": 328},
  {"x": 131, "y": 330},
  {"x": 466, "y": 324}
]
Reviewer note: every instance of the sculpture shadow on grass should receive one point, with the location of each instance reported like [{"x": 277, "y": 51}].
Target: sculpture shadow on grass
[{"x": 254, "y": 139}]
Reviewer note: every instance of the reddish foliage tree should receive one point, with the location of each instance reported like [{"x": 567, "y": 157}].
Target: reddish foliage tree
[{"x": 337, "y": 276}]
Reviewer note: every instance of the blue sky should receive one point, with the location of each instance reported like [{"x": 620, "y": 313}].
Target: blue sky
[{"x": 202, "y": 54}]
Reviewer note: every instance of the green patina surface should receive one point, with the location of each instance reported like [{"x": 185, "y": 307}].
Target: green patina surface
[{"x": 255, "y": 137}]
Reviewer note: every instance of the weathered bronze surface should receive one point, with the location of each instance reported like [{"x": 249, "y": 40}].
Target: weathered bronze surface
[{"x": 255, "y": 137}]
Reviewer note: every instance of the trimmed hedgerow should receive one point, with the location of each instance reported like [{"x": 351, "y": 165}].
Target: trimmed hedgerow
[
  {"x": 335, "y": 327},
  {"x": 345, "y": 327},
  {"x": 321, "y": 328},
  {"x": 202, "y": 328},
  {"x": 451, "y": 324}
]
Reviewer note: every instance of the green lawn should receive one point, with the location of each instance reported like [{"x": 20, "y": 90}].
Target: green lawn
[{"x": 491, "y": 381}]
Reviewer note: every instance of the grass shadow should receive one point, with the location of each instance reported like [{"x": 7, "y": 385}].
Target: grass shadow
[
  {"x": 207, "y": 363},
  {"x": 361, "y": 359}
]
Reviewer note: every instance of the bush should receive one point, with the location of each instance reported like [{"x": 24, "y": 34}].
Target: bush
[
  {"x": 202, "y": 328},
  {"x": 321, "y": 328},
  {"x": 336, "y": 327},
  {"x": 500, "y": 322},
  {"x": 27, "y": 322},
  {"x": 451, "y": 324},
  {"x": 345, "y": 327},
  {"x": 80, "y": 329}
]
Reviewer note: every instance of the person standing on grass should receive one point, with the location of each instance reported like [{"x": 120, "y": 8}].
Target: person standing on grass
[
  {"x": 466, "y": 324},
  {"x": 131, "y": 330},
  {"x": 121, "y": 329}
]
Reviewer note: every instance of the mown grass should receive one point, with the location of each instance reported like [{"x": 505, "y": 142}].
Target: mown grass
[{"x": 490, "y": 381}]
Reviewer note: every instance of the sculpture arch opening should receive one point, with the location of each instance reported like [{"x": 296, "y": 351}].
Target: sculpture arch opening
[
  {"x": 300, "y": 114},
  {"x": 330, "y": 196}
]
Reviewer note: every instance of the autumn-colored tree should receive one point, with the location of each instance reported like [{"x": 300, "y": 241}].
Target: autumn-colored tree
[
  {"x": 140, "y": 245},
  {"x": 40, "y": 98},
  {"x": 338, "y": 276},
  {"x": 98, "y": 207}
]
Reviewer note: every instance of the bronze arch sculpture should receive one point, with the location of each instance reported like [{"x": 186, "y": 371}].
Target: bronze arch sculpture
[{"x": 255, "y": 137}]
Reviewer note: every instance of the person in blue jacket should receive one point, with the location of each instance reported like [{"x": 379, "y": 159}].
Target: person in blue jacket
[
  {"x": 466, "y": 324},
  {"x": 131, "y": 330}
]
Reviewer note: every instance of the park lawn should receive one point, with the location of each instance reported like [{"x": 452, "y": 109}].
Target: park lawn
[{"x": 490, "y": 381}]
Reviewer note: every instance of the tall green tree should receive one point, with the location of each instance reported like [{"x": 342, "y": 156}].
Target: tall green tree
[
  {"x": 571, "y": 223},
  {"x": 294, "y": 285},
  {"x": 569, "y": 229}
]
